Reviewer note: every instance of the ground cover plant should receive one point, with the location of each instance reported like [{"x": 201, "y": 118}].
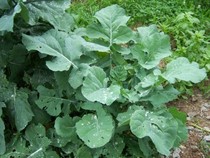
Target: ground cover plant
[{"x": 98, "y": 91}]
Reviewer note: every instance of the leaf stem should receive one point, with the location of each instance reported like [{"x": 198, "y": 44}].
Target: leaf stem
[
  {"x": 199, "y": 127},
  {"x": 34, "y": 153}
]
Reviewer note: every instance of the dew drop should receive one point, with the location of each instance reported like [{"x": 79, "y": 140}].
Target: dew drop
[{"x": 95, "y": 117}]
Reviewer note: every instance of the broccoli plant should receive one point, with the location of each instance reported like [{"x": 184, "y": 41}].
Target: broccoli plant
[{"x": 98, "y": 91}]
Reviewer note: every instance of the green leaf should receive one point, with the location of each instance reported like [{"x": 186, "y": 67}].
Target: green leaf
[
  {"x": 36, "y": 135},
  {"x": 152, "y": 46},
  {"x": 182, "y": 133},
  {"x": 57, "y": 140},
  {"x": 162, "y": 95},
  {"x": 95, "y": 87},
  {"x": 63, "y": 86},
  {"x": 7, "y": 21},
  {"x": 51, "y": 154},
  {"x": 65, "y": 126},
  {"x": 16, "y": 148},
  {"x": 77, "y": 74},
  {"x": 112, "y": 25},
  {"x": 162, "y": 130},
  {"x": 146, "y": 146},
  {"x": 2, "y": 105},
  {"x": 131, "y": 95},
  {"x": 4, "y": 4},
  {"x": 114, "y": 148},
  {"x": 133, "y": 147},
  {"x": 84, "y": 151},
  {"x": 2, "y": 140},
  {"x": 95, "y": 130},
  {"x": 118, "y": 73},
  {"x": 124, "y": 118},
  {"x": 52, "y": 12},
  {"x": 182, "y": 69},
  {"x": 182, "y": 116},
  {"x": 23, "y": 114},
  {"x": 149, "y": 80},
  {"x": 49, "y": 101},
  {"x": 64, "y": 48}
]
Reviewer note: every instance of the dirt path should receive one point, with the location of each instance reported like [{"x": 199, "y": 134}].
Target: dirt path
[{"x": 197, "y": 108}]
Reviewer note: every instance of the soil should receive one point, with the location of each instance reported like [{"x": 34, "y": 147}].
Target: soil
[{"x": 197, "y": 108}]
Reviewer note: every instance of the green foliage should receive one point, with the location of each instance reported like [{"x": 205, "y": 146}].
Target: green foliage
[
  {"x": 187, "y": 22},
  {"x": 153, "y": 46},
  {"x": 97, "y": 91}
]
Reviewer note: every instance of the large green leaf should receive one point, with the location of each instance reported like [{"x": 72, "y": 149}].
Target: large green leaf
[
  {"x": 95, "y": 130},
  {"x": 162, "y": 130},
  {"x": 49, "y": 101},
  {"x": 19, "y": 108},
  {"x": 64, "y": 48},
  {"x": 112, "y": 25},
  {"x": 22, "y": 109},
  {"x": 95, "y": 87},
  {"x": 4, "y": 4},
  {"x": 118, "y": 73},
  {"x": 162, "y": 95},
  {"x": 16, "y": 148},
  {"x": 151, "y": 47},
  {"x": 124, "y": 118},
  {"x": 65, "y": 126},
  {"x": 62, "y": 85},
  {"x": 52, "y": 12},
  {"x": 77, "y": 74},
  {"x": 114, "y": 148},
  {"x": 182, "y": 69},
  {"x": 7, "y": 21},
  {"x": 151, "y": 79},
  {"x": 36, "y": 135},
  {"x": 84, "y": 150}
]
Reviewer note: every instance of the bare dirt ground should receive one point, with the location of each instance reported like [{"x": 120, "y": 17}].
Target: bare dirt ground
[{"x": 197, "y": 108}]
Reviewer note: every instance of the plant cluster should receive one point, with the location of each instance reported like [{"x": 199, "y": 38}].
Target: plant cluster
[
  {"x": 186, "y": 22},
  {"x": 98, "y": 91}
]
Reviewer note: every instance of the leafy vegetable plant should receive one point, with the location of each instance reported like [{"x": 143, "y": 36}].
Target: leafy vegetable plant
[{"x": 94, "y": 91}]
